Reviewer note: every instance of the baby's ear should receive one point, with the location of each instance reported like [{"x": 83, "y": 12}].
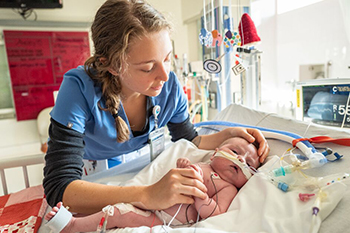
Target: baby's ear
[{"x": 216, "y": 151}]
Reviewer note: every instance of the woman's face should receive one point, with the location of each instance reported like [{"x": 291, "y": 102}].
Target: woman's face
[{"x": 149, "y": 61}]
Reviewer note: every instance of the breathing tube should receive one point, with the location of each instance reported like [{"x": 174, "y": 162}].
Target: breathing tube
[
  {"x": 244, "y": 167},
  {"x": 315, "y": 158}
]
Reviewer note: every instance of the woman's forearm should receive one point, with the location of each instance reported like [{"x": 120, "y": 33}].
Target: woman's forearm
[
  {"x": 211, "y": 141},
  {"x": 87, "y": 198}
]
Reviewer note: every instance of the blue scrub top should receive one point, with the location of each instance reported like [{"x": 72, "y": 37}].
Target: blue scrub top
[{"x": 77, "y": 107}]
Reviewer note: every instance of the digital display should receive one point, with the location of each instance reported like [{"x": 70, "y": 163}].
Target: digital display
[
  {"x": 327, "y": 104},
  {"x": 31, "y": 4}
]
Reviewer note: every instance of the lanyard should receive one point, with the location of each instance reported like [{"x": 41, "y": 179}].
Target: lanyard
[{"x": 156, "y": 138}]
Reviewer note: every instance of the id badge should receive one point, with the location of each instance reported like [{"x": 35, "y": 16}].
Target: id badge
[{"x": 156, "y": 141}]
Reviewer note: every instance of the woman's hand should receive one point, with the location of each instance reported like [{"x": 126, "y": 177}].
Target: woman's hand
[
  {"x": 252, "y": 135},
  {"x": 179, "y": 185}
]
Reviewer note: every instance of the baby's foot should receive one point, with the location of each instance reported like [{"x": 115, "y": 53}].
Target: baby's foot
[{"x": 69, "y": 227}]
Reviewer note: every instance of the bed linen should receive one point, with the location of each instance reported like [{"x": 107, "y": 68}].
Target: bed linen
[{"x": 23, "y": 211}]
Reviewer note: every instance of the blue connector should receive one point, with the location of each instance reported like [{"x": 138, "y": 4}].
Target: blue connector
[
  {"x": 302, "y": 157},
  {"x": 337, "y": 157},
  {"x": 283, "y": 186}
]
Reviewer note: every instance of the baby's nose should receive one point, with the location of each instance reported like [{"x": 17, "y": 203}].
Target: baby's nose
[{"x": 241, "y": 158}]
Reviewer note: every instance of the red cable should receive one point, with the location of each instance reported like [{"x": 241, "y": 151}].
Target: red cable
[
  {"x": 154, "y": 218},
  {"x": 322, "y": 139}
]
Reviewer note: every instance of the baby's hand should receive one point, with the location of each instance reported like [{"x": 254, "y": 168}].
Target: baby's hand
[{"x": 183, "y": 163}]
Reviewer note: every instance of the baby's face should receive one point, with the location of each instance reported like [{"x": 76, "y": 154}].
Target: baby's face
[{"x": 244, "y": 151}]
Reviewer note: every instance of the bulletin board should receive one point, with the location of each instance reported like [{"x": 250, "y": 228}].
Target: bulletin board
[{"x": 37, "y": 62}]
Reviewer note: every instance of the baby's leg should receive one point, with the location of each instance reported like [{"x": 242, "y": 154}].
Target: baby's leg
[{"x": 125, "y": 215}]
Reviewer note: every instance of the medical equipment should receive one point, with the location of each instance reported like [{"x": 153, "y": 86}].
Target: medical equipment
[
  {"x": 242, "y": 166},
  {"x": 314, "y": 159},
  {"x": 108, "y": 211},
  {"x": 324, "y": 102}
]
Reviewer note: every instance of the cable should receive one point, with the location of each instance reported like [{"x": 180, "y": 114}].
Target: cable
[
  {"x": 177, "y": 212},
  {"x": 26, "y": 13},
  {"x": 307, "y": 128},
  {"x": 346, "y": 111},
  {"x": 217, "y": 200},
  {"x": 265, "y": 118},
  {"x": 188, "y": 221}
]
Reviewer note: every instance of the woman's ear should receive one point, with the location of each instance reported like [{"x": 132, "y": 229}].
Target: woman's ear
[{"x": 112, "y": 71}]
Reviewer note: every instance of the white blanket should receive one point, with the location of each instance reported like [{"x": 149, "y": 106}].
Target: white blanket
[{"x": 258, "y": 207}]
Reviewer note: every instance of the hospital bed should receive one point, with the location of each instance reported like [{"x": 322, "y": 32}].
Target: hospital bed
[{"x": 259, "y": 205}]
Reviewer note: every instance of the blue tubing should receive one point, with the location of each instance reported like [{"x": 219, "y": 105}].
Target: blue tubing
[{"x": 232, "y": 124}]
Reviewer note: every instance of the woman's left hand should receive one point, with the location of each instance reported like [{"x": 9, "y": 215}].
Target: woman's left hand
[{"x": 253, "y": 135}]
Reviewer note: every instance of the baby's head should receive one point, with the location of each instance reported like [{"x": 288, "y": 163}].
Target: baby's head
[{"x": 232, "y": 158}]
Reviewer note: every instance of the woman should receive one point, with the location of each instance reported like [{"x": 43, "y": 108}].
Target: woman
[{"x": 104, "y": 109}]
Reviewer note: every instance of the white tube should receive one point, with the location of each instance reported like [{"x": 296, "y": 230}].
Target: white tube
[{"x": 316, "y": 159}]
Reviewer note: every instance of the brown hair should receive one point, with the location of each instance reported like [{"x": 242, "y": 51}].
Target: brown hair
[{"x": 116, "y": 24}]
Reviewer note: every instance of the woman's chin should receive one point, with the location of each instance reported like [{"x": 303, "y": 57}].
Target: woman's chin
[{"x": 154, "y": 93}]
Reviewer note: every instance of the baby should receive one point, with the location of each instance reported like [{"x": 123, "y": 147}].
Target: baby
[{"x": 229, "y": 169}]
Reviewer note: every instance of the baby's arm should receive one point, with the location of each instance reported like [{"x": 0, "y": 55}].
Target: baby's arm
[
  {"x": 218, "y": 204},
  {"x": 186, "y": 163}
]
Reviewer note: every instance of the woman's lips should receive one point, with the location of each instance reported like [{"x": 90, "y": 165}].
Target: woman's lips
[{"x": 157, "y": 88}]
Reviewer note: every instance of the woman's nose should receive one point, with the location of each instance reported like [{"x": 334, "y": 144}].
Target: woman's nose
[{"x": 163, "y": 72}]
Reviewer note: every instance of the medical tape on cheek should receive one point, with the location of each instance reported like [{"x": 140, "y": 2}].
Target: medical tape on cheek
[
  {"x": 242, "y": 166},
  {"x": 126, "y": 208}
]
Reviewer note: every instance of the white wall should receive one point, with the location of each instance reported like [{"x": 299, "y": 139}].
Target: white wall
[{"x": 314, "y": 34}]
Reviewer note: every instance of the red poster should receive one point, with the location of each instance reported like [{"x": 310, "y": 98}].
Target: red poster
[
  {"x": 37, "y": 62},
  {"x": 30, "y": 100}
]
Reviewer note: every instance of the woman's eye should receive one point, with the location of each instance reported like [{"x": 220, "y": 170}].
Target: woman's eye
[{"x": 147, "y": 70}]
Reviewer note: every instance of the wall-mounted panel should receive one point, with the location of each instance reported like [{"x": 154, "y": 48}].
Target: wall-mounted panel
[{"x": 37, "y": 61}]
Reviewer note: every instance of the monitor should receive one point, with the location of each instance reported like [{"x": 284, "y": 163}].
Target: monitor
[
  {"x": 31, "y": 4},
  {"x": 324, "y": 101}
]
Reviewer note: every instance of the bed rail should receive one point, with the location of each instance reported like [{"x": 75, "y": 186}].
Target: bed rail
[{"x": 20, "y": 161}]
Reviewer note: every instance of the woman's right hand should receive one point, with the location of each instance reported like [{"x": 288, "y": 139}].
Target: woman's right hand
[{"x": 179, "y": 185}]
